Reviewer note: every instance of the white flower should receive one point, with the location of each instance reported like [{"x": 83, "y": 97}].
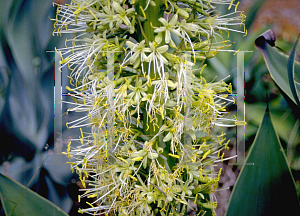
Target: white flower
[
  {"x": 137, "y": 52},
  {"x": 122, "y": 14},
  {"x": 157, "y": 58},
  {"x": 169, "y": 27}
]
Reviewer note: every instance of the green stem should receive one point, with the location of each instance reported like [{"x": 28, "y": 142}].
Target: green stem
[
  {"x": 145, "y": 31},
  {"x": 153, "y": 13}
]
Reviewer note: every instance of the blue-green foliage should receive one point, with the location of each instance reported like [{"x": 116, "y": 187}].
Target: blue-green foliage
[{"x": 26, "y": 97}]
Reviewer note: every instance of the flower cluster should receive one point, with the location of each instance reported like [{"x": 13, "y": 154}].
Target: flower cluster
[{"x": 150, "y": 111}]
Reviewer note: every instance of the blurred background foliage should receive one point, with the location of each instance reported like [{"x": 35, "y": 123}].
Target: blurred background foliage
[
  {"x": 284, "y": 18},
  {"x": 26, "y": 94},
  {"x": 26, "y": 102}
]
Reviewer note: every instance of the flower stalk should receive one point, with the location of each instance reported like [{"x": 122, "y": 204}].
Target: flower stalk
[
  {"x": 145, "y": 31},
  {"x": 150, "y": 150}
]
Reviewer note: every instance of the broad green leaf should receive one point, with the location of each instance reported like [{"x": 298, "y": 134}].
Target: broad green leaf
[
  {"x": 265, "y": 185},
  {"x": 277, "y": 63},
  {"x": 28, "y": 203},
  {"x": 291, "y": 73}
]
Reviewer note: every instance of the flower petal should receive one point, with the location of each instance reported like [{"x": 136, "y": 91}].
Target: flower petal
[
  {"x": 168, "y": 36},
  {"x": 174, "y": 20},
  {"x": 117, "y": 7},
  {"x": 163, "y": 21},
  {"x": 162, "y": 49},
  {"x": 130, "y": 44},
  {"x": 158, "y": 38},
  {"x": 165, "y": 61},
  {"x": 147, "y": 49},
  {"x": 151, "y": 46},
  {"x": 137, "y": 63},
  {"x": 142, "y": 43},
  {"x": 143, "y": 56},
  {"x": 172, "y": 44},
  {"x": 160, "y": 29},
  {"x": 176, "y": 32},
  {"x": 191, "y": 27},
  {"x": 127, "y": 21},
  {"x": 149, "y": 57}
]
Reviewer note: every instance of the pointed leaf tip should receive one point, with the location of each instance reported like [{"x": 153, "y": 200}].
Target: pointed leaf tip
[
  {"x": 277, "y": 62},
  {"x": 268, "y": 36},
  {"x": 266, "y": 187},
  {"x": 267, "y": 98}
]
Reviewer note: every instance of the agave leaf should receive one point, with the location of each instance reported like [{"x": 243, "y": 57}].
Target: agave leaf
[
  {"x": 291, "y": 74},
  {"x": 28, "y": 203},
  {"x": 277, "y": 64},
  {"x": 265, "y": 185}
]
